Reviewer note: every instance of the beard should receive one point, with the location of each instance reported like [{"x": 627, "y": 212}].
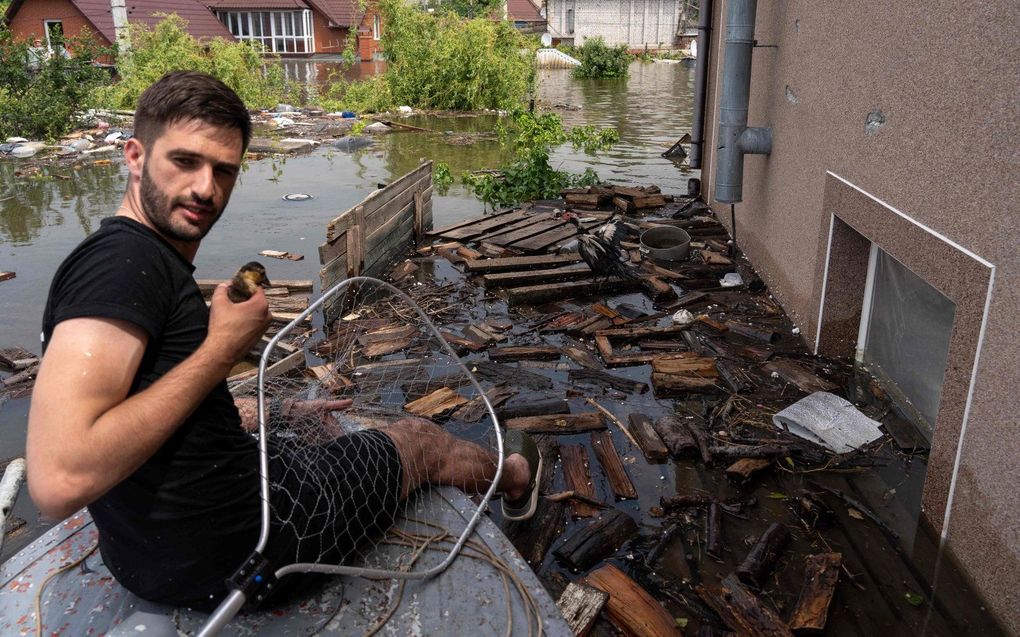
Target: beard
[{"x": 158, "y": 208}]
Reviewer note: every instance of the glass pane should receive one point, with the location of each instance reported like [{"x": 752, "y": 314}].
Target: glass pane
[
  {"x": 908, "y": 334},
  {"x": 299, "y": 46},
  {"x": 256, "y": 25}
]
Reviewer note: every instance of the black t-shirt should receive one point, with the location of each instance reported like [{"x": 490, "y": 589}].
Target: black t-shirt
[{"x": 188, "y": 517}]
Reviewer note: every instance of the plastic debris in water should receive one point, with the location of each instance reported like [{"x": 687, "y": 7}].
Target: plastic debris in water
[
  {"x": 297, "y": 196},
  {"x": 731, "y": 280}
]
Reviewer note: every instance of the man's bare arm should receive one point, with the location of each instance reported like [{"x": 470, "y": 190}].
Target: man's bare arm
[{"x": 85, "y": 434}]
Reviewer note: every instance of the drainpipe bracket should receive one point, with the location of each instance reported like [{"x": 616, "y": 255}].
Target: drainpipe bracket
[{"x": 756, "y": 140}]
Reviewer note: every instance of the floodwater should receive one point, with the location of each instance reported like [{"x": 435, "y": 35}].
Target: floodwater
[{"x": 41, "y": 220}]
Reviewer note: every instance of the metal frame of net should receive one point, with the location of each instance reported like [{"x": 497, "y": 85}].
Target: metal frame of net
[{"x": 325, "y": 483}]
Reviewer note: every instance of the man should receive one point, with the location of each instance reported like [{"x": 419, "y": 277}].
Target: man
[
  {"x": 131, "y": 415},
  {"x": 37, "y": 55}
]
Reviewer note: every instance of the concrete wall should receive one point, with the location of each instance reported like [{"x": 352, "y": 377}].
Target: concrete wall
[
  {"x": 933, "y": 180},
  {"x": 636, "y": 23}
]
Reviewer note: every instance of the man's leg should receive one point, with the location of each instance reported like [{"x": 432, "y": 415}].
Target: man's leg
[{"x": 431, "y": 455}]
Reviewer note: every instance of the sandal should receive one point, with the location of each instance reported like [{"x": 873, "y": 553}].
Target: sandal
[{"x": 524, "y": 507}]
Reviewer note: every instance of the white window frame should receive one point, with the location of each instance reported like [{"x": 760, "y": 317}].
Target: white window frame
[
  {"x": 291, "y": 30},
  {"x": 46, "y": 27},
  {"x": 376, "y": 27}
]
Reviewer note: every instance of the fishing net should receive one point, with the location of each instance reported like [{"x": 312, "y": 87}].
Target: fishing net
[{"x": 333, "y": 481}]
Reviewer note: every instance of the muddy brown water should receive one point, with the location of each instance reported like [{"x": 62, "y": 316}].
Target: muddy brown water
[{"x": 41, "y": 220}]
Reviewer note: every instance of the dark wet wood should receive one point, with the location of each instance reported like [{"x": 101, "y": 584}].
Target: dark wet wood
[
  {"x": 602, "y": 379},
  {"x": 821, "y": 573},
  {"x": 794, "y": 373},
  {"x": 474, "y": 230},
  {"x": 525, "y": 352},
  {"x": 675, "y": 436},
  {"x": 631, "y": 607},
  {"x": 543, "y": 293},
  {"x": 742, "y": 611},
  {"x": 713, "y": 531},
  {"x": 561, "y": 424},
  {"x": 668, "y": 384},
  {"x": 597, "y": 540},
  {"x": 744, "y": 468},
  {"x": 474, "y": 410},
  {"x": 531, "y": 277},
  {"x": 616, "y": 474},
  {"x": 539, "y": 408},
  {"x": 468, "y": 222},
  {"x": 577, "y": 476},
  {"x": 640, "y": 428},
  {"x": 757, "y": 566},
  {"x": 522, "y": 378},
  {"x": 754, "y": 332},
  {"x": 582, "y": 356},
  {"x": 507, "y": 264}
]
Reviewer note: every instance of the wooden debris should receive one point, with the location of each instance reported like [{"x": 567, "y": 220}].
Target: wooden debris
[
  {"x": 713, "y": 531},
  {"x": 461, "y": 341},
  {"x": 755, "y": 568},
  {"x": 685, "y": 501},
  {"x": 17, "y": 358},
  {"x": 905, "y": 434},
  {"x": 565, "y": 424},
  {"x": 497, "y": 373},
  {"x": 278, "y": 254},
  {"x": 602, "y": 379},
  {"x": 821, "y": 573},
  {"x": 531, "y": 277},
  {"x": 762, "y": 334},
  {"x": 631, "y": 607},
  {"x": 435, "y": 404},
  {"x": 577, "y": 476},
  {"x": 649, "y": 442},
  {"x": 802, "y": 378},
  {"x": 539, "y": 408},
  {"x": 675, "y": 436},
  {"x": 597, "y": 540},
  {"x": 742, "y": 611},
  {"x": 681, "y": 383},
  {"x": 382, "y": 348},
  {"x": 543, "y": 293},
  {"x": 474, "y": 410},
  {"x": 403, "y": 270},
  {"x": 524, "y": 352},
  {"x": 685, "y": 364},
  {"x": 520, "y": 263},
  {"x": 607, "y": 455},
  {"x": 7, "y": 276},
  {"x": 580, "y": 605},
  {"x": 744, "y": 468},
  {"x": 582, "y": 357}
]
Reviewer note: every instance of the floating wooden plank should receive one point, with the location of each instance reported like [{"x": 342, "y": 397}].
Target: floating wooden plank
[
  {"x": 382, "y": 348},
  {"x": 675, "y": 436},
  {"x": 481, "y": 228},
  {"x": 763, "y": 334},
  {"x": 385, "y": 366},
  {"x": 682, "y": 383},
  {"x": 475, "y": 409},
  {"x": 539, "y": 226},
  {"x": 524, "y": 352},
  {"x": 577, "y": 476},
  {"x": 529, "y": 277},
  {"x": 288, "y": 363},
  {"x": 631, "y": 607},
  {"x": 616, "y": 474},
  {"x": 597, "y": 540},
  {"x": 387, "y": 333},
  {"x": 686, "y": 364},
  {"x": 742, "y": 611},
  {"x": 506, "y": 264},
  {"x": 435, "y": 404},
  {"x": 744, "y": 468},
  {"x": 905, "y": 434},
  {"x": 804, "y": 380},
  {"x": 497, "y": 373},
  {"x": 630, "y": 333},
  {"x": 472, "y": 221},
  {"x": 537, "y": 408},
  {"x": 602, "y": 379},
  {"x": 549, "y": 238},
  {"x": 582, "y": 356},
  {"x": 713, "y": 531},
  {"x": 538, "y": 294},
  {"x": 821, "y": 573},
  {"x": 16, "y": 358},
  {"x": 282, "y": 254},
  {"x": 566, "y": 424},
  {"x": 580, "y": 605},
  {"x": 640, "y": 427},
  {"x": 7, "y": 276},
  {"x": 461, "y": 341}
]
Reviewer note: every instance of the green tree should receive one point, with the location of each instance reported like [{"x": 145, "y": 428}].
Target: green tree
[{"x": 599, "y": 60}]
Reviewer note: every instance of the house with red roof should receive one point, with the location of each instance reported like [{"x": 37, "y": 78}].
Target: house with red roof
[
  {"x": 527, "y": 16},
  {"x": 286, "y": 27}
]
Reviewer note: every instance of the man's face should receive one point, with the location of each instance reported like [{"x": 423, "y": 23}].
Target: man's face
[{"x": 187, "y": 177}]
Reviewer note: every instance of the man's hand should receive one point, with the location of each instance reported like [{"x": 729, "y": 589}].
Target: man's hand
[{"x": 235, "y": 327}]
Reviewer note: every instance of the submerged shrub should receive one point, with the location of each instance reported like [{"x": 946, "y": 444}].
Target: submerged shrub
[
  {"x": 256, "y": 78},
  {"x": 599, "y": 60},
  {"x": 44, "y": 103}
]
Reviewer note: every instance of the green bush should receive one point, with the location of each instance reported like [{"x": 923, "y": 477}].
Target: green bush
[
  {"x": 241, "y": 65},
  {"x": 367, "y": 96},
  {"x": 598, "y": 60},
  {"x": 448, "y": 63},
  {"x": 531, "y": 138},
  {"x": 467, "y": 8},
  {"x": 44, "y": 104}
]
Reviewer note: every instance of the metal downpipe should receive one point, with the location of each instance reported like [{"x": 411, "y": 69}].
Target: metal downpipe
[
  {"x": 700, "y": 79},
  {"x": 735, "y": 138}
]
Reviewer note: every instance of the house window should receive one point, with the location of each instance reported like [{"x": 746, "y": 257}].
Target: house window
[
  {"x": 906, "y": 326},
  {"x": 570, "y": 20},
  {"x": 376, "y": 27},
  {"x": 55, "y": 36},
  {"x": 277, "y": 31}
]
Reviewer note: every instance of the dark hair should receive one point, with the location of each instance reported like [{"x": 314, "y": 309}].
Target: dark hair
[{"x": 189, "y": 95}]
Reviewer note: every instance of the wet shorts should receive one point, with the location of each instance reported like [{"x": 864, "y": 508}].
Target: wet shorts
[{"x": 330, "y": 500}]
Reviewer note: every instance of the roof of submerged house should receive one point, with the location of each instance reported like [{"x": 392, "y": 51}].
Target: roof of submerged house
[
  {"x": 201, "y": 21},
  {"x": 523, "y": 10},
  {"x": 343, "y": 13}
]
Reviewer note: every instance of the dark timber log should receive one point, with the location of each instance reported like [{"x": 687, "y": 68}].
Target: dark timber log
[
  {"x": 755, "y": 568},
  {"x": 565, "y": 424},
  {"x": 820, "y": 576},
  {"x": 597, "y": 541},
  {"x": 742, "y": 611},
  {"x": 651, "y": 445},
  {"x": 524, "y": 352},
  {"x": 675, "y": 436},
  {"x": 673, "y": 502},
  {"x": 578, "y": 479},
  {"x": 742, "y": 451},
  {"x": 540, "y": 408},
  {"x": 602, "y": 379},
  {"x": 612, "y": 466},
  {"x": 713, "y": 531},
  {"x": 507, "y": 264},
  {"x": 702, "y": 439},
  {"x": 754, "y": 332}
]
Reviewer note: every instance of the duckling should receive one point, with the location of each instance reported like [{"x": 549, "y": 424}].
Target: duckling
[{"x": 250, "y": 276}]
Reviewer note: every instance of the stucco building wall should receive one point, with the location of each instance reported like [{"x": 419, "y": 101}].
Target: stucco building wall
[
  {"x": 933, "y": 181},
  {"x": 636, "y": 23}
]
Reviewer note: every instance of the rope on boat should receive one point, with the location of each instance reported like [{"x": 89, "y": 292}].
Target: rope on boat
[{"x": 42, "y": 587}]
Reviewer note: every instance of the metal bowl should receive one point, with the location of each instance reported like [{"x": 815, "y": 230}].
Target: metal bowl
[{"x": 666, "y": 243}]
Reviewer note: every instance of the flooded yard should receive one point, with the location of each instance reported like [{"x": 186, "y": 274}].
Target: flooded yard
[{"x": 888, "y": 569}]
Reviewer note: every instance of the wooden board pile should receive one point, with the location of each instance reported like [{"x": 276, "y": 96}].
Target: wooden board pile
[{"x": 569, "y": 360}]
